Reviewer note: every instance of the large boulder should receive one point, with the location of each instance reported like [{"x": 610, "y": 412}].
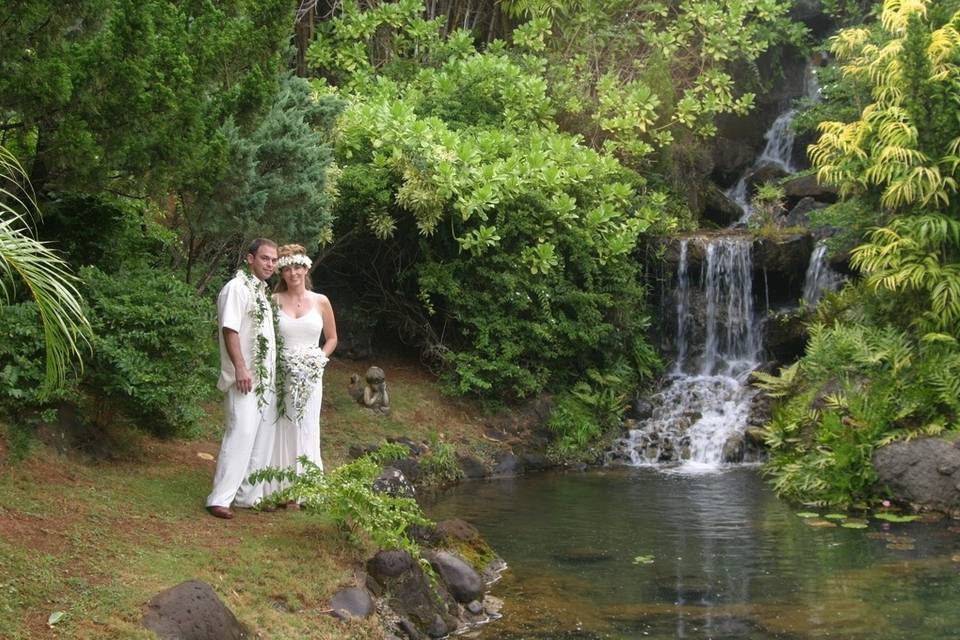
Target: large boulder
[
  {"x": 393, "y": 482},
  {"x": 765, "y": 173},
  {"x": 191, "y": 611},
  {"x": 799, "y": 214},
  {"x": 733, "y": 155},
  {"x": 409, "y": 594},
  {"x": 785, "y": 336},
  {"x": 354, "y": 602},
  {"x": 924, "y": 473},
  {"x": 718, "y": 207},
  {"x": 806, "y": 186},
  {"x": 462, "y": 581}
]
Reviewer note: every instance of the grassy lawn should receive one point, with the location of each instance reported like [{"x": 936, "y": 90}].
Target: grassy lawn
[{"x": 96, "y": 540}]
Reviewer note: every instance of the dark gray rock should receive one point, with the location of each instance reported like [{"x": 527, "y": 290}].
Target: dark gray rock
[
  {"x": 785, "y": 260},
  {"x": 640, "y": 409},
  {"x": 352, "y": 603},
  {"x": 393, "y": 482},
  {"x": 731, "y": 156},
  {"x": 457, "y": 529},
  {"x": 415, "y": 448},
  {"x": 410, "y": 630},
  {"x": 718, "y": 207},
  {"x": 785, "y": 335},
  {"x": 798, "y": 215},
  {"x": 389, "y": 564},
  {"x": 408, "y": 593},
  {"x": 191, "y": 611},
  {"x": 763, "y": 174},
  {"x": 799, "y": 187},
  {"x": 475, "y": 607},
  {"x": 507, "y": 465},
  {"x": 755, "y": 436},
  {"x": 812, "y": 14},
  {"x": 410, "y": 468},
  {"x": 733, "y": 449},
  {"x": 462, "y": 581},
  {"x": 923, "y": 472},
  {"x": 472, "y": 467},
  {"x": 534, "y": 461},
  {"x": 356, "y": 451}
]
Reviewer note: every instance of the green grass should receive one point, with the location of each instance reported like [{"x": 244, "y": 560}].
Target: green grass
[{"x": 97, "y": 540}]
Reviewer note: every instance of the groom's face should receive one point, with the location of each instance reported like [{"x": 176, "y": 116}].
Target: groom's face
[{"x": 264, "y": 262}]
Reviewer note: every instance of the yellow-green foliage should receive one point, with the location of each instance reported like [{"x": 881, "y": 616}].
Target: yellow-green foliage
[
  {"x": 884, "y": 360},
  {"x": 884, "y": 149}
]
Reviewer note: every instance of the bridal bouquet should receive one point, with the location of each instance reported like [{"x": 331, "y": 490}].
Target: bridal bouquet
[{"x": 303, "y": 369}]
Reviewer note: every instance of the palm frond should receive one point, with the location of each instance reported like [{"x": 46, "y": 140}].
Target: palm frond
[{"x": 47, "y": 276}]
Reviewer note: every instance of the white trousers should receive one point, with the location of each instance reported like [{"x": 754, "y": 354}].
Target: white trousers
[{"x": 247, "y": 446}]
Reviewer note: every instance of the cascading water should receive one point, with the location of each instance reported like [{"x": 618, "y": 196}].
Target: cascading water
[
  {"x": 820, "y": 277},
  {"x": 699, "y": 416},
  {"x": 778, "y": 151}
]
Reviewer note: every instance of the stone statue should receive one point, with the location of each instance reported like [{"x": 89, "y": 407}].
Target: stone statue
[{"x": 373, "y": 393}]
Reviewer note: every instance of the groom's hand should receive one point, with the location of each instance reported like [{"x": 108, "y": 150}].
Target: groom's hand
[{"x": 244, "y": 380}]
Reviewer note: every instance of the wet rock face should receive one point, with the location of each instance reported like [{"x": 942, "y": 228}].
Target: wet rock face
[
  {"x": 718, "y": 207},
  {"x": 409, "y": 595},
  {"x": 461, "y": 580},
  {"x": 797, "y": 188},
  {"x": 191, "y": 611},
  {"x": 923, "y": 472}
]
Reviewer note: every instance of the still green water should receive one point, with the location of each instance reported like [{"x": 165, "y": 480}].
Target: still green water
[{"x": 729, "y": 560}]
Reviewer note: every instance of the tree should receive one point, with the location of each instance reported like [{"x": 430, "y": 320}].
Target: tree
[
  {"x": 903, "y": 154},
  {"x": 124, "y": 95},
  {"x": 45, "y": 274},
  {"x": 273, "y": 183}
]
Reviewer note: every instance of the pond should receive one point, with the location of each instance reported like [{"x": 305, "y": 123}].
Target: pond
[{"x": 639, "y": 553}]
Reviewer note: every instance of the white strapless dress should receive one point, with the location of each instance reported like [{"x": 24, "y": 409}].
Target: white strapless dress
[{"x": 298, "y": 428}]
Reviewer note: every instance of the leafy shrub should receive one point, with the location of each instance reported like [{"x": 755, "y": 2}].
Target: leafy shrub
[
  {"x": 439, "y": 466},
  {"x": 859, "y": 386},
  {"x": 154, "y": 349},
  {"x": 535, "y": 278},
  {"x": 347, "y": 496},
  {"x": 21, "y": 353},
  {"x": 586, "y": 412}
]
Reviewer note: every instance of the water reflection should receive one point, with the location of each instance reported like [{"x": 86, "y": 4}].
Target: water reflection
[{"x": 729, "y": 560}]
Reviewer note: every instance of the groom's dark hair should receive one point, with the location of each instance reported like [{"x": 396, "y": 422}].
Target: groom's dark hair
[{"x": 259, "y": 242}]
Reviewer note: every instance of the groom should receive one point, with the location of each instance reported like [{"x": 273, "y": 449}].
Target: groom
[{"x": 247, "y": 362}]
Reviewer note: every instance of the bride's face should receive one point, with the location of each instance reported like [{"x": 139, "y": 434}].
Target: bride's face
[{"x": 294, "y": 275}]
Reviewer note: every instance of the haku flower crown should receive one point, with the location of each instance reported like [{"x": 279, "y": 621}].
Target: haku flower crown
[{"x": 296, "y": 259}]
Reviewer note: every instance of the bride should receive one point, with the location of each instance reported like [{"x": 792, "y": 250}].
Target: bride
[{"x": 304, "y": 317}]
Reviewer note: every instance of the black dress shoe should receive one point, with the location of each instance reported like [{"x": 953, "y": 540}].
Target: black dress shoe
[{"x": 220, "y": 512}]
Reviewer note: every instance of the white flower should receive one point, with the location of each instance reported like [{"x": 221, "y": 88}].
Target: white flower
[{"x": 303, "y": 370}]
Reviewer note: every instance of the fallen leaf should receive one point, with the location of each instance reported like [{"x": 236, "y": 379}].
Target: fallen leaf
[
  {"x": 55, "y": 617},
  {"x": 205, "y": 456}
]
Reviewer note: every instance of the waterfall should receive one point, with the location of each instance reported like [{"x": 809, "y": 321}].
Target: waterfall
[
  {"x": 699, "y": 416},
  {"x": 820, "y": 277},
  {"x": 778, "y": 151},
  {"x": 683, "y": 306},
  {"x": 731, "y": 344}
]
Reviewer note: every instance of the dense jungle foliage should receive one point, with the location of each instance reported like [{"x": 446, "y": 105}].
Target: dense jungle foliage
[
  {"x": 883, "y": 360},
  {"x": 480, "y": 180},
  {"x": 483, "y": 173}
]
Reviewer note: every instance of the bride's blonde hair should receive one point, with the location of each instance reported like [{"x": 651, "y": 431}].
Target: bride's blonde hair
[{"x": 291, "y": 250}]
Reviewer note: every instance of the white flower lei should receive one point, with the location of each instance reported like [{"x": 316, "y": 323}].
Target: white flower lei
[
  {"x": 289, "y": 261},
  {"x": 302, "y": 371},
  {"x": 259, "y": 314}
]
